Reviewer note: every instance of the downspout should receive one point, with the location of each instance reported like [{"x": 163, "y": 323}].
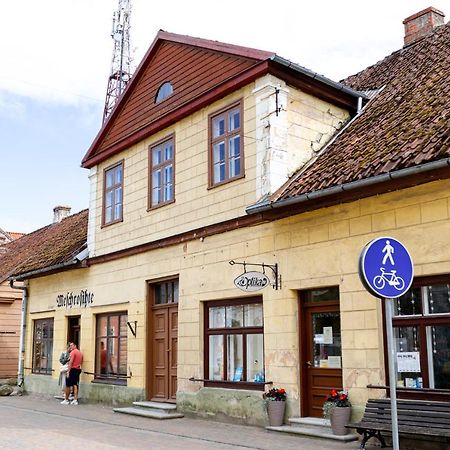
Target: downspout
[{"x": 20, "y": 372}]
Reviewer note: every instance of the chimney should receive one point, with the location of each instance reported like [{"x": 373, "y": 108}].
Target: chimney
[
  {"x": 60, "y": 213},
  {"x": 421, "y": 24}
]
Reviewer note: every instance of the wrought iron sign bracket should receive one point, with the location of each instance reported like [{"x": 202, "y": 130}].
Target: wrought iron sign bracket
[
  {"x": 133, "y": 327},
  {"x": 276, "y": 284}
]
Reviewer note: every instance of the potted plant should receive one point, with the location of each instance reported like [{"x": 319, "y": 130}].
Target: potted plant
[
  {"x": 337, "y": 408},
  {"x": 276, "y": 404}
]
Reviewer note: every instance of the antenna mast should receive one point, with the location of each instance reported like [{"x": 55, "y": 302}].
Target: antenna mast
[{"x": 121, "y": 59}]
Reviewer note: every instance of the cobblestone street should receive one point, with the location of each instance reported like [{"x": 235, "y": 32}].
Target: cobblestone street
[{"x": 32, "y": 422}]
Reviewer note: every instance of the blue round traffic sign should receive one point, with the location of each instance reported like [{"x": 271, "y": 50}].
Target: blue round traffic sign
[{"x": 386, "y": 268}]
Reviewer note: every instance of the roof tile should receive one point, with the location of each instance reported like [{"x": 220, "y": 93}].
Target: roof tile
[
  {"x": 51, "y": 245},
  {"x": 406, "y": 124}
]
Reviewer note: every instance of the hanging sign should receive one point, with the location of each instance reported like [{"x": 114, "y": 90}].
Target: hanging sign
[
  {"x": 251, "y": 281},
  {"x": 386, "y": 268}
]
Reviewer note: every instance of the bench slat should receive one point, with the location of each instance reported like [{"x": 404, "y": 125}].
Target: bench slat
[{"x": 417, "y": 417}]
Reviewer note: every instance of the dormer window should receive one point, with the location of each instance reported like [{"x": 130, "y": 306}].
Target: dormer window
[{"x": 164, "y": 91}]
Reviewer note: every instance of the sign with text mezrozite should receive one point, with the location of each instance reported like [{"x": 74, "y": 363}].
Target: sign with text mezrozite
[
  {"x": 71, "y": 300},
  {"x": 251, "y": 281}
]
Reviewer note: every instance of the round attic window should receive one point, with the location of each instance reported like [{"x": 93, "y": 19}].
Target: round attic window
[{"x": 164, "y": 91}]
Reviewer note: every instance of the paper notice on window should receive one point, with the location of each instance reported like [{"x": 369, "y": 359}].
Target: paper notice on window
[
  {"x": 327, "y": 335},
  {"x": 408, "y": 362},
  {"x": 334, "y": 362},
  {"x": 318, "y": 339},
  {"x": 323, "y": 363}
]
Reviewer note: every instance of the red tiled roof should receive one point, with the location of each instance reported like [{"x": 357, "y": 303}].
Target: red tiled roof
[
  {"x": 52, "y": 245},
  {"x": 15, "y": 235},
  {"x": 406, "y": 124}
]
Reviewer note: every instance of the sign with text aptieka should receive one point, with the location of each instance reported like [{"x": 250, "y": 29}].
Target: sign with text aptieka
[
  {"x": 386, "y": 268},
  {"x": 251, "y": 281}
]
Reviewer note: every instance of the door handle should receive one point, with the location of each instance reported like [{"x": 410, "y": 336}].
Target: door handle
[{"x": 309, "y": 363}]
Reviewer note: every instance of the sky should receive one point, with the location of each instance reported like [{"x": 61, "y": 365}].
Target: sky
[{"x": 56, "y": 58}]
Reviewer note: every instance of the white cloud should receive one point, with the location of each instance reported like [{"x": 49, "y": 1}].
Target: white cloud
[{"x": 60, "y": 50}]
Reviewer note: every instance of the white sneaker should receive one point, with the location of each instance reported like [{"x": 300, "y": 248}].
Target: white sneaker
[
  {"x": 74, "y": 402},
  {"x": 65, "y": 402}
]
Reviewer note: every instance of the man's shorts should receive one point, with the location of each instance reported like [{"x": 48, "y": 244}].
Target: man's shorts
[{"x": 74, "y": 377}]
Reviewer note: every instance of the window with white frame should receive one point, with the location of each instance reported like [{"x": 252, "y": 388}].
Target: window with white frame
[
  {"x": 234, "y": 343},
  {"x": 422, "y": 335},
  {"x": 161, "y": 176},
  {"x": 226, "y": 145}
]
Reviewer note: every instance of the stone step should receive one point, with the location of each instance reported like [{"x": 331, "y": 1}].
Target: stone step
[
  {"x": 310, "y": 421},
  {"x": 151, "y": 413},
  {"x": 314, "y": 427},
  {"x": 163, "y": 407}
]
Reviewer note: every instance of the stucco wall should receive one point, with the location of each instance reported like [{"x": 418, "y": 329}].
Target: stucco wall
[
  {"x": 274, "y": 145},
  {"x": 315, "y": 249}
]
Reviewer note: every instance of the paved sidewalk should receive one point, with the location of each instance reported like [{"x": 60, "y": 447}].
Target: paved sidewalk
[{"x": 36, "y": 422}]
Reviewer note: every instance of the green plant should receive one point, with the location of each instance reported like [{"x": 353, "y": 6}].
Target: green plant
[
  {"x": 336, "y": 399},
  {"x": 277, "y": 395}
]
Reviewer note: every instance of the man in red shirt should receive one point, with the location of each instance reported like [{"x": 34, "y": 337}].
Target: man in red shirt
[{"x": 73, "y": 374}]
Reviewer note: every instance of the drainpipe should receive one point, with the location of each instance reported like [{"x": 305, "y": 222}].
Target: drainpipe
[{"x": 20, "y": 376}]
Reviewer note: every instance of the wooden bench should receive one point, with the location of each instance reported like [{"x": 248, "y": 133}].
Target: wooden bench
[{"x": 415, "y": 417}]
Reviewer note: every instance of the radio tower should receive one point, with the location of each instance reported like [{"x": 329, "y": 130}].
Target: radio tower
[{"x": 121, "y": 58}]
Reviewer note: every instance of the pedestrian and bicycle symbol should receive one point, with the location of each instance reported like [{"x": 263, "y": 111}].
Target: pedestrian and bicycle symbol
[{"x": 386, "y": 268}]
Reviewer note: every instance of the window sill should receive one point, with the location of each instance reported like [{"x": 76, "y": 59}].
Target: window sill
[
  {"x": 160, "y": 205},
  {"x": 224, "y": 182},
  {"x": 117, "y": 382},
  {"x": 235, "y": 385}
]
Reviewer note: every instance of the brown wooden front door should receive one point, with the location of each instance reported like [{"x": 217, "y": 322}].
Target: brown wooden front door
[
  {"x": 163, "y": 343},
  {"x": 321, "y": 354}
]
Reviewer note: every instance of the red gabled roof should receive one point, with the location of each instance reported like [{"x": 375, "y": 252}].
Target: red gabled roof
[
  {"x": 194, "y": 66},
  {"x": 201, "y": 72}
]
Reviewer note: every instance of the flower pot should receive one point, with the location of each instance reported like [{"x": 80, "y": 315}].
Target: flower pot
[
  {"x": 340, "y": 417},
  {"x": 275, "y": 410}
]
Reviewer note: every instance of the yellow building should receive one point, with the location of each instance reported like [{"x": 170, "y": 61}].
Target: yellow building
[{"x": 222, "y": 160}]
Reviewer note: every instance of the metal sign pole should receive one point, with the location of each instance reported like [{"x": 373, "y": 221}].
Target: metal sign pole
[{"x": 392, "y": 372}]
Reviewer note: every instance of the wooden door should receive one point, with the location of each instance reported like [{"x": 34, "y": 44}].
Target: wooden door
[
  {"x": 321, "y": 355},
  {"x": 164, "y": 353}
]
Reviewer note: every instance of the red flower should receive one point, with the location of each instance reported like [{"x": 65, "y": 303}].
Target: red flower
[
  {"x": 342, "y": 397},
  {"x": 281, "y": 391},
  {"x": 334, "y": 392}
]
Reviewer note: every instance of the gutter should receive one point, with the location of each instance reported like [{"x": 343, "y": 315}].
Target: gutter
[
  {"x": 316, "y": 76},
  {"x": 24, "y": 289},
  {"x": 352, "y": 185}
]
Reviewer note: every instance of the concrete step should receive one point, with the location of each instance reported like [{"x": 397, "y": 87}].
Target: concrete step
[
  {"x": 310, "y": 421},
  {"x": 163, "y": 407},
  {"x": 314, "y": 427},
  {"x": 148, "y": 412}
]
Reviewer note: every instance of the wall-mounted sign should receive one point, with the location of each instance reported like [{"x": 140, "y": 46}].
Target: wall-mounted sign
[
  {"x": 251, "y": 281},
  {"x": 71, "y": 300}
]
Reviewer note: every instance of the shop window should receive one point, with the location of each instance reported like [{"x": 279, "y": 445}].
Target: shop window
[
  {"x": 161, "y": 175},
  {"x": 234, "y": 343},
  {"x": 422, "y": 335},
  {"x": 111, "y": 347},
  {"x": 226, "y": 146},
  {"x": 113, "y": 194},
  {"x": 43, "y": 346}
]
